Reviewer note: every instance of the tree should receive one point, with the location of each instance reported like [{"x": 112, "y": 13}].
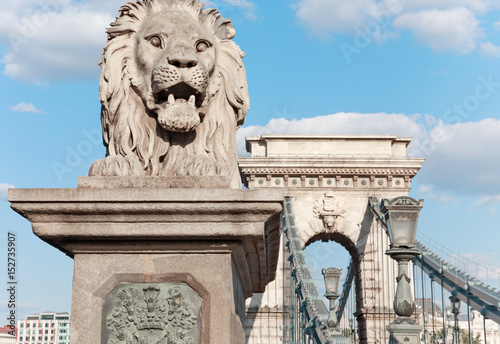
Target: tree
[{"x": 465, "y": 337}]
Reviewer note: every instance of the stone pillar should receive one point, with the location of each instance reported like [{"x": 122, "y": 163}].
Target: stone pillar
[
  {"x": 142, "y": 251},
  {"x": 264, "y": 312}
]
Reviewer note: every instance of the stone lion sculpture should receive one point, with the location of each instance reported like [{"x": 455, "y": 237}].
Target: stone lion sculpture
[{"x": 173, "y": 91}]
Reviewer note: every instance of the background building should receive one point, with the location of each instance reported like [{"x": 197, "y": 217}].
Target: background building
[
  {"x": 6, "y": 337},
  {"x": 433, "y": 324},
  {"x": 44, "y": 328}
]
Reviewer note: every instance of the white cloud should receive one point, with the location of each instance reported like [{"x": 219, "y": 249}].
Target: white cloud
[
  {"x": 461, "y": 159},
  {"x": 249, "y": 7},
  {"x": 485, "y": 266},
  {"x": 464, "y": 157},
  {"x": 424, "y": 189},
  {"x": 57, "y": 40},
  {"x": 3, "y": 190},
  {"x": 323, "y": 17},
  {"x": 428, "y": 191},
  {"x": 487, "y": 259},
  {"x": 340, "y": 123},
  {"x": 60, "y": 39},
  {"x": 447, "y": 199},
  {"x": 487, "y": 200},
  {"x": 456, "y": 29},
  {"x": 497, "y": 25},
  {"x": 241, "y": 3},
  {"x": 26, "y": 107},
  {"x": 490, "y": 49},
  {"x": 444, "y": 25},
  {"x": 478, "y": 6}
]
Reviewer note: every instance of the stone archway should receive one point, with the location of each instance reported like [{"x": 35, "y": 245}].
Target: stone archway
[
  {"x": 358, "y": 232},
  {"x": 349, "y": 247}
]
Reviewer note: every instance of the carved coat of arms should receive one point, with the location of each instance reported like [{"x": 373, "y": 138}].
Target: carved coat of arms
[
  {"x": 329, "y": 209},
  {"x": 150, "y": 315}
]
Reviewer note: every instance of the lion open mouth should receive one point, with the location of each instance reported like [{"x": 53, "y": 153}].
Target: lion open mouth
[
  {"x": 181, "y": 92},
  {"x": 178, "y": 107}
]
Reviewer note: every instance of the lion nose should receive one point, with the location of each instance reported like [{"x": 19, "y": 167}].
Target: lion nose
[{"x": 182, "y": 60}]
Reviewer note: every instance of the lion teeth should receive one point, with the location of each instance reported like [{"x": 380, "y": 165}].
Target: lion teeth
[
  {"x": 192, "y": 100},
  {"x": 171, "y": 99}
]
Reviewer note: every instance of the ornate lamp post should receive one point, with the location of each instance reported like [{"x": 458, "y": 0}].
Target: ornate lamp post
[
  {"x": 401, "y": 214},
  {"x": 455, "y": 304},
  {"x": 351, "y": 327},
  {"x": 448, "y": 326},
  {"x": 426, "y": 328},
  {"x": 332, "y": 278}
]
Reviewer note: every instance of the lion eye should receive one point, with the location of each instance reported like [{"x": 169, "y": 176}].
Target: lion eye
[
  {"x": 155, "y": 41},
  {"x": 202, "y": 46}
]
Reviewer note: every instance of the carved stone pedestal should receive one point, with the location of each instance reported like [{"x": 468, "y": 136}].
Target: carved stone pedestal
[
  {"x": 404, "y": 333},
  {"x": 158, "y": 265}
]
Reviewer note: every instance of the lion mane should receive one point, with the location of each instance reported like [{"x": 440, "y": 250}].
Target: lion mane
[{"x": 135, "y": 142}]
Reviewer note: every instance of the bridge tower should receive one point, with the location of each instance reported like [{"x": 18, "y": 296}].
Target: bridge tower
[{"x": 331, "y": 179}]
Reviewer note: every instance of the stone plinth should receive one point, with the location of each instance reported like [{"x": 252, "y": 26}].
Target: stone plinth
[
  {"x": 221, "y": 243},
  {"x": 404, "y": 333}
]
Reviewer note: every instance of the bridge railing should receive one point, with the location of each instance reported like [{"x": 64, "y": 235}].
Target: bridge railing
[
  {"x": 305, "y": 314},
  {"x": 475, "y": 293},
  {"x": 465, "y": 264}
]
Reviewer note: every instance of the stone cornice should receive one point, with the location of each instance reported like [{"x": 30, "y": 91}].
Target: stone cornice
[
  {"x": 305, "y": 172},
  {"x": 329, "y": 171},
  {"x": 161, "y": 221}
]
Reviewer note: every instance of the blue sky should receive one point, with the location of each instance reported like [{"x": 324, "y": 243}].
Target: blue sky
[{"x": 428, "y": 69}]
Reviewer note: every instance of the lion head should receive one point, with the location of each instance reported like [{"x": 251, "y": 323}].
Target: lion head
[{"x": 173, "y": 91}]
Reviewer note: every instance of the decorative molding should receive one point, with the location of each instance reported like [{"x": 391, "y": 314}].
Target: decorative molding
[
  {"x": 328, "y": 171},
  {"x": 404, "y": 216},
  {"x": 338, "y": 174},
  {"x": 339, "y": 181},
  {"x": 404, "y": 201},
  {"x": 331, "y": 271}
]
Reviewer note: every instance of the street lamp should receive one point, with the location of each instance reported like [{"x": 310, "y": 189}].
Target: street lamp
[
  {"x": 401, "y": 215},
  {"x": 448, "y": 326},
  {"x": 455, "y": 304},
  {"x": 351, "y": 327},
  {"x": 332, "y": 278},
  {"x": 426, "y": 327}
]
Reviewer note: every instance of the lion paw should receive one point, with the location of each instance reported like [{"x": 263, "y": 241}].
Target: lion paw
[
  {"x": 117, "y": 166},
  {"x": 197, "y": 165}
]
